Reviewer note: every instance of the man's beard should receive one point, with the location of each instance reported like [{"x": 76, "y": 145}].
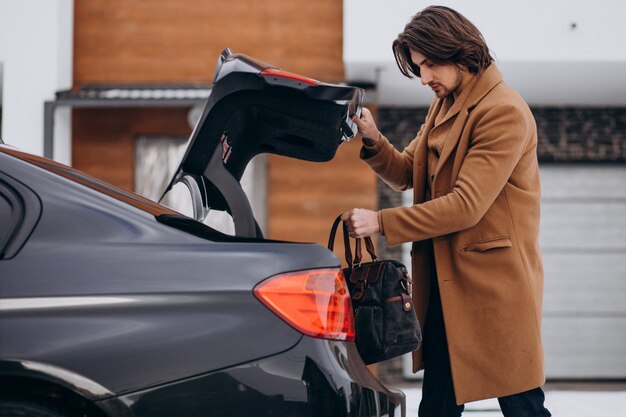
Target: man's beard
[{"x": 444, "y": 91}]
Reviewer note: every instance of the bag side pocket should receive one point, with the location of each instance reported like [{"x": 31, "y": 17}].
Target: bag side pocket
[{"x": 369, "y": 331}]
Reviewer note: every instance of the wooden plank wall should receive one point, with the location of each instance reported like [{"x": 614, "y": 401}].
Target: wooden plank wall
[
  {"x": 174, "y": 41},
  {"x": 103, "y": 140},
  {"x": 126, "y": 41}
]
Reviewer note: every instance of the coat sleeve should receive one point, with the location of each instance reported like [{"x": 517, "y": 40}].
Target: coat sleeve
[
  {"x": 499, "y": 139},
  {"x": 392, "y": 166}
]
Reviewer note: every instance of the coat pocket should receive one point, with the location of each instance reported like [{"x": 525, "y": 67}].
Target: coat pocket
[{"x": 485, "y": 245}]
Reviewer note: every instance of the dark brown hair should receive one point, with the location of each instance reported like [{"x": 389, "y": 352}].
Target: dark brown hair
[{"x": 445, "y": 37}]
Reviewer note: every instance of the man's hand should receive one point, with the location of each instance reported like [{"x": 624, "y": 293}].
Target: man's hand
[
  {"x": 361, "y": 222},
  {"x": 367, "y": 126}
]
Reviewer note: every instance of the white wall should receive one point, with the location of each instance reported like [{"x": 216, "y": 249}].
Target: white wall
[
  {"x": 533, "y": 41},
  {"x": 36, "y": 53}
]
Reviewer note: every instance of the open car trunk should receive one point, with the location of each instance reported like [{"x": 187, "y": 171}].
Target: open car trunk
[{"x": 255, "y": 108}]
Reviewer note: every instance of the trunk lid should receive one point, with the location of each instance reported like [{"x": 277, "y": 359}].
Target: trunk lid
[{"x": 255, "y": 108}]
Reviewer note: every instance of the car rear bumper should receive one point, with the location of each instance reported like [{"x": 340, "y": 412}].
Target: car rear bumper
[{"x": 314, "y": 378}]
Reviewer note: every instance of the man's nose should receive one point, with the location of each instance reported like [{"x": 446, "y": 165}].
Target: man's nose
[{"x": 426, "y": 77}]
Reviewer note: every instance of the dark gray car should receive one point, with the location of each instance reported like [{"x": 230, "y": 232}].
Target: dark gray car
[{"x": 113, "y": 305}]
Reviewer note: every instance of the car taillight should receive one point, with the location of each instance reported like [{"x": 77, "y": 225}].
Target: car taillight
[
  {"x": 315, "y": 302},
  {"x": 274, "y": 72}
]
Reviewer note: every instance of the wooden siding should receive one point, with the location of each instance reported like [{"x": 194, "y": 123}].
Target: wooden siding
[
  {"x": 174, "y": 41},
  {"x": 103, "y": 142}
]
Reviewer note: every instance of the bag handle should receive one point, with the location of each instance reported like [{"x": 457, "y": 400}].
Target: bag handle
[{"x": 369, "y": 245}]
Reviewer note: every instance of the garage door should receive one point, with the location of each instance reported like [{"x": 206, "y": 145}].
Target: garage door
[{"x": 583, "y": 241}]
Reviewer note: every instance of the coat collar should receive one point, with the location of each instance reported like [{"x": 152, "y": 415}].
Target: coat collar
[
  {"x": 487, "y": 80},
  {"x": 482, "y": 84}
]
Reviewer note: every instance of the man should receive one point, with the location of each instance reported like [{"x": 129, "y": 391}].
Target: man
[{"x": 477, "y": 270}]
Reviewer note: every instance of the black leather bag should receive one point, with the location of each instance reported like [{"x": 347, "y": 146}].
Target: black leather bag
[{"x": 385, "y": 319}]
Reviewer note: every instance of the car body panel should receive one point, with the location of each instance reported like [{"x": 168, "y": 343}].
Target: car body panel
[{"x": 301, "y": 383}]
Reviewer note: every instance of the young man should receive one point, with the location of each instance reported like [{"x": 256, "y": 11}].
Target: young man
[{"x": 477, "y": 270}]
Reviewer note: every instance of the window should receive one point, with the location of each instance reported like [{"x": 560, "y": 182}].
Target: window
[
  {"x": 156, "y": 161},
  {"x": 6, "y": 211},
  {"x": 19, "y": 213}
]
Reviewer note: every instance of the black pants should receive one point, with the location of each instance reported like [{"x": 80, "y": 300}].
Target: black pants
[{"x": 438, "y": 398}]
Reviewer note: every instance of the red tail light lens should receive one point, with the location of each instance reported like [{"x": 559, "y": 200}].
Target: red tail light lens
[
  {"x": 314, "y": 302},
  {"x": 274, "y": 72}
]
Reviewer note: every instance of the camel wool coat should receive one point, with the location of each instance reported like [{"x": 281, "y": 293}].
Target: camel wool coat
[{"x": 483, "y": 220}]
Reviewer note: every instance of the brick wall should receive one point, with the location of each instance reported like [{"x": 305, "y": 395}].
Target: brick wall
[
  {"x": 581, "y": 134},
  {"x": 566, "y": 134}
]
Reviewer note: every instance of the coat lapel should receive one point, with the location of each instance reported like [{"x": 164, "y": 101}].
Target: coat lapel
[
  {"x": 484, "y": 83},
  {"x": 420, "y": 158},
  {"x": 452, "y": 139}
]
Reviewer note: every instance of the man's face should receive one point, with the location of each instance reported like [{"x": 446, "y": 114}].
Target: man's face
[{"x": 442, "y": 79}]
